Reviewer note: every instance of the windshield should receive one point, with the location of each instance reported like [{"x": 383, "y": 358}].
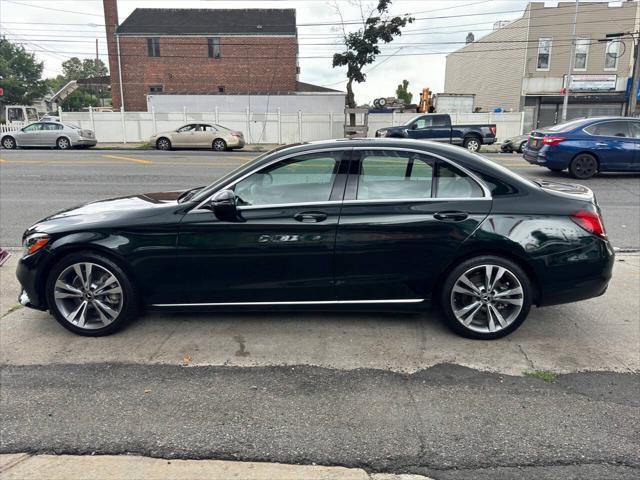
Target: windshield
[{"x": 32, "y": 114}]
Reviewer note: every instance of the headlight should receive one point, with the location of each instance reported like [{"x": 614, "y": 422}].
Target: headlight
[{"x": 35, "y": 242}]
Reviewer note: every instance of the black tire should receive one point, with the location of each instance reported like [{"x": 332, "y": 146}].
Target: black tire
[
  {"x": 472, "y": 143},
  {"x": 583, "y": 166},
  {"x": 446, "y": 297},
  {"x": 9, "y": 142},
  {"x": 163, "y": 143},
  {"x": 556, "y": 170},
  {"x": 521, "y": 147},
  {"x": 63, "y": 143},
  {"x": 130, "y": 303},
  {"x": 219, "y": 145}
]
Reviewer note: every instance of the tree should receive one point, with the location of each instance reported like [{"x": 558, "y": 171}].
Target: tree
[
  {"x": 363, "y": 46},
  {"x": 76, "y": 69},
  {"x": 402, "y": 93},
  {"x": 20, "y": 75}
]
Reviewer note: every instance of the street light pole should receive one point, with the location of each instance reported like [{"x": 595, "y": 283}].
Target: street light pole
[{"x": 565, "y": 102}]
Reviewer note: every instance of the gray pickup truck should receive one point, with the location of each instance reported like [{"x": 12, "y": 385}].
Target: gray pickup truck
[{"x": 438, "y": 127}]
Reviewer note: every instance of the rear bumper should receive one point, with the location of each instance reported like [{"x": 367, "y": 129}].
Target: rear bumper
[
  {"x": 85, "y": 142},
  {"x": 578, "y": 275},
  {"x": 239, "y": 143}
]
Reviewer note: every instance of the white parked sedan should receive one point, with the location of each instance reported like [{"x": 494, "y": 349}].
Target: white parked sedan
[
  {"x": 49, "y": 134},
  {"x": 198, "y": 135}
]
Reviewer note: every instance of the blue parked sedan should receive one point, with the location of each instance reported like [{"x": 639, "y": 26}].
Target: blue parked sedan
[{"x": 587, "y": 146}]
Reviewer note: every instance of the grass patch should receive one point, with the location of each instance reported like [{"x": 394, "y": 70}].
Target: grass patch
[
  {"x": 544, "y": 375},
  {"x": 144, "y": 146}
]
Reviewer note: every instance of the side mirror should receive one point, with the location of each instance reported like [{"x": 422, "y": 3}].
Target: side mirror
[
  {"x": 224, "y": 206},
  {"x": 414, "y": 126}
]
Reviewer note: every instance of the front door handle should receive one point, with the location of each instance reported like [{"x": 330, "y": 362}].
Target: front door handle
[
  {"x": 450, "y": 216},
  {"x": 310, "y": 217},
  {"x": 601, "y": 144}
]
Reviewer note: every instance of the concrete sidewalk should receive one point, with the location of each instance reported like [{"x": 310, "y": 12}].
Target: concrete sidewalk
[
  {"x": 598, "y": 334},
  {"x": 22, "y": 466}
]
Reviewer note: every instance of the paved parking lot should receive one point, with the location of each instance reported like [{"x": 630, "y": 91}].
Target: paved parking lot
[{"x": 383, "y": 392}]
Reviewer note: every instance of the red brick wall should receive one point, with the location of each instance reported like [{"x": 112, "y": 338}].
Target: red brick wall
[{"x": 246, "y": 65}]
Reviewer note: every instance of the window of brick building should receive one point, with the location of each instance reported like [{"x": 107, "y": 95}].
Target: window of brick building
[
  {"x": 153, "y": 47},
  {"x": 214, "y": 47},
  {"x": 155, "y": 89},
  {"x": 220, "y": 88}
]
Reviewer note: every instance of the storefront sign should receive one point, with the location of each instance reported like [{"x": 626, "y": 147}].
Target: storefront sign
[{"x": 592, "y": 83}]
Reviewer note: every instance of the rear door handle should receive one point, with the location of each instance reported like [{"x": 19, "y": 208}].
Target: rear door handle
[
  {"x": 601, "y": 144},
  {"x": 310, "y": 217},
  {"x": 450, "y": 216}
]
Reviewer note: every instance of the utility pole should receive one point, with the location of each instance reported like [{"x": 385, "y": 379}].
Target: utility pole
[
  {"x": 633, "y": 95},
  {"x": 565, "y": 102}
]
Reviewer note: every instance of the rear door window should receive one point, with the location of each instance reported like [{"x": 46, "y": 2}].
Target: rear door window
[
  {"x": 609, "y": 129},
  {"x": 393, "y": 175}
]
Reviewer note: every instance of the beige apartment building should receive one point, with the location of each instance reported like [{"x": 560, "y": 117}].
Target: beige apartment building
[{"x": 523, "y": 65}]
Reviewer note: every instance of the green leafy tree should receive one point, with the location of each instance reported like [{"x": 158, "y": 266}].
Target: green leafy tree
[
  {"x": 20, "y": 75},
  {"x": 363, "y": 46},
  {"x": 76, "y": 69},
  {"x": 402, "y": 92}
]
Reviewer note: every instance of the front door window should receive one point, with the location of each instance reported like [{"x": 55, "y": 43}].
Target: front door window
[{"x": 301, "y": 179}]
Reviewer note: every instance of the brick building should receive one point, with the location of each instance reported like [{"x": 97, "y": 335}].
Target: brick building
[{"x": 200, "y": 51}]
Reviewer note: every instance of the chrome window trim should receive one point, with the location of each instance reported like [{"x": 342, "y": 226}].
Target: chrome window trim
[
  {"x": 271, "y": 162},
  {"x": 310, "y": 302},
  {"x": 485, "y": 190}
]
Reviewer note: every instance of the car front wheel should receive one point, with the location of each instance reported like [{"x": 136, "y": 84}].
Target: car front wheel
[
  {"x": 9, "y": 143},
  {"x": 486, "y": 297},
  {"x": 90, "y": 295}
]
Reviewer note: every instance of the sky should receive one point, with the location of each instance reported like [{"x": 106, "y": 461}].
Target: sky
[{"x": 57, "y": 30}]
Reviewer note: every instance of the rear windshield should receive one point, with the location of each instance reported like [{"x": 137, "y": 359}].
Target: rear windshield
[{"x": 564, "y": 127}]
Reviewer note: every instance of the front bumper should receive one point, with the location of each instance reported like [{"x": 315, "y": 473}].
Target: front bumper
[{"x": 31, "y": 273}]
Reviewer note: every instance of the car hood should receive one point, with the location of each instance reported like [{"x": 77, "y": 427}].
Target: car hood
[{"x": 110, "y": 211}]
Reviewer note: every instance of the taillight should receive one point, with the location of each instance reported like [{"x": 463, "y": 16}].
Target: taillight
[
  {"x": 493, "y": 130},
  {"x": 552, "y": 140},
  {"x": 590, "y": 221}
]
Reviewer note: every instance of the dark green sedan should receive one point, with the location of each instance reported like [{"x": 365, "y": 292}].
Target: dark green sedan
[{"x": 373, "y": 224}]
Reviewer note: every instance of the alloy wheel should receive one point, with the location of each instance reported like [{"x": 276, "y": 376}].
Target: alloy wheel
[
  {"x": 487, "y": 298},
  {"x": 163, "y": 144},
  {"x": 473, "y": 145},
  {"x": 9, "y": 143},
  {"x": 88, "y": 295},
  {"x": 63, "y": 143},
  {"x": 219, "y": 145},
  {"x": 584, "y": 166}
]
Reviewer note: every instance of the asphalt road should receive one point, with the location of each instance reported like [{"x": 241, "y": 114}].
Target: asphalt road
[
  {"x": 445, "y": 422},
  {"x": 36, "y": 183}
]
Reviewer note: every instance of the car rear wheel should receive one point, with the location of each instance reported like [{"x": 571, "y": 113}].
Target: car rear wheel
[
  {"x": 90, "y": 295},
  {"x": 583, "y": 166},
  {"x": 472, "y": 144},
  {"x": 521, "y": 147},
  {"x": 486, "y": 297},
  {"x": 9, "y": 143},
  {"x": 163, "y": 144},
  {"x": 63, "y": 143},
  {"x": 219, "y": 145}
]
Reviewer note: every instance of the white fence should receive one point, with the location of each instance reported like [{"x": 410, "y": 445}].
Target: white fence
[{"x": 116, "y": 127}]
